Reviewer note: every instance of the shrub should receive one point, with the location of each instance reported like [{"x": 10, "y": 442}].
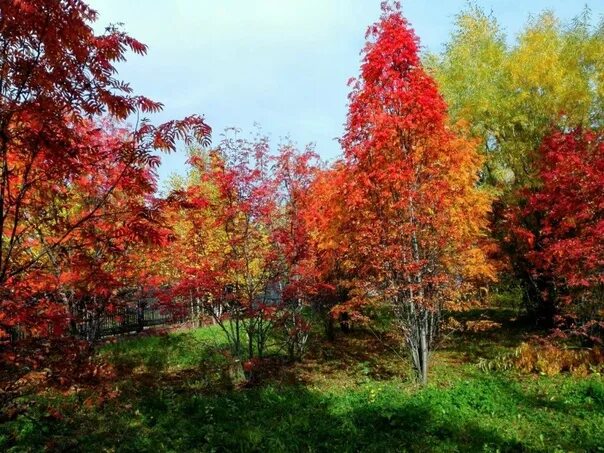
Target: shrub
[{"x": 548, "y": 359}]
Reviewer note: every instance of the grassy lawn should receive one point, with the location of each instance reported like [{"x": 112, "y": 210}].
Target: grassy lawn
[{"x": 175, "y": 393}]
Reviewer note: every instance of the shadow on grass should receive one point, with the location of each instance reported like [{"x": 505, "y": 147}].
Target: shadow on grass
[
  {"x": 473, "y": 345},
  {"x": 175, "y": 396},
  {"x": 268, "y": 419},
  {"x": 492, "y": 414}
]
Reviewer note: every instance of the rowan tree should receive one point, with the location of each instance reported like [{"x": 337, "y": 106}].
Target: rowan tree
[
  {"x": 412, "y": 207},
  {"x": 100, "y": 265},
  {"x": 231, "y": 266},
  {"x": 242, "y": 240},
  {"x": 92, "y": 263},
  {"x": 294, "y": 172},
  {"x": 56, "y": 76},
  {"x": 329, "y": 249}
]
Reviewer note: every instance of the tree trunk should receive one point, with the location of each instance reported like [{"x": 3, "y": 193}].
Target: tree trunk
[
  {"x": 423, "y": 353},
  {"x": 250, "y": 343},
  {"x": 344, "y": 320}
]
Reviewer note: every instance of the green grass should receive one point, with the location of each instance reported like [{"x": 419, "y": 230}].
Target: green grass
[
  {"x": 352, "y": 395},
  {"x": 178, "y": 350}
]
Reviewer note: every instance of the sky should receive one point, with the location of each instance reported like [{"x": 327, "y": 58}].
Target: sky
[{"x": 282, "y": 64}]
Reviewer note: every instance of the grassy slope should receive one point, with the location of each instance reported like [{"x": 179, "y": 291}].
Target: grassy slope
[{"x": 352, "y": 395}]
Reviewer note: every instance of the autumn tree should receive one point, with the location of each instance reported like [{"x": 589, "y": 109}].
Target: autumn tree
[
  {"x": 330, "y": 249},
  {"x": 229, "y": 264},
  {"x": 412, "y": 207},
  {"x": 511, "y": 96},
  {"x": 99, "y": 272},
  {"x": 559, "y": 230},
  {"x": 294, "y": 172},
  {"x": 242, "y": 239},
  {"x": 56, "y": 77}
]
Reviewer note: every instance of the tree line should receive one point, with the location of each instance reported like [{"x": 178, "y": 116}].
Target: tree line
[{"x": 479, "y": 166}]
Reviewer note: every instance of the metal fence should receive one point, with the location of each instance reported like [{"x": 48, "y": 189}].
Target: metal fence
[{"x": 128, "y": 319}]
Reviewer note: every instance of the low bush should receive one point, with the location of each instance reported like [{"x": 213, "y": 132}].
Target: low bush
[{"x": 548, "y": 359}]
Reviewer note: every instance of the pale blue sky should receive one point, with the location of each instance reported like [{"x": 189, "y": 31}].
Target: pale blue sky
[{"x": 281, "y": 63}]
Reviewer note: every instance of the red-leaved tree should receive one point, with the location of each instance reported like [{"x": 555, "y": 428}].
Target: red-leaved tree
[
  {"x": 294, "y": 172},
  {"x": 559, "y": 231},
  {"x": 413, "y": 213},
  {"x": 60, "y": 165}
]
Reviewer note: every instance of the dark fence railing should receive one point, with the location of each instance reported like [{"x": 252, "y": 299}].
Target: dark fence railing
[
  {"x": 131, "y": 316},
  {"x": 128, "y": 319}
]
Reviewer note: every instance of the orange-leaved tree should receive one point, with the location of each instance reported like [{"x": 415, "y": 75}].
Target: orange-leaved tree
[
  {"x": 414, "y": 212},
  {"x": 329, "y": 247}
]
